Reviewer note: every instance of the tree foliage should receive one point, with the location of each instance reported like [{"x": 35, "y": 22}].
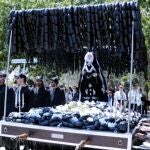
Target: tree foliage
[
  {"x": 7, "y": 5},
  {"x": 145, "y": 12}
]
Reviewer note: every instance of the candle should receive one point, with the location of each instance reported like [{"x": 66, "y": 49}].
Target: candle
[
  {"x": 22, "y": 106},
  {"x": 19, "y": 99},
  {"x": 16, "y": 98}
]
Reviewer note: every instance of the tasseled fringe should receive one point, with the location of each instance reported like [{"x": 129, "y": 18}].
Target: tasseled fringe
[{"x": 14, "y": 144}]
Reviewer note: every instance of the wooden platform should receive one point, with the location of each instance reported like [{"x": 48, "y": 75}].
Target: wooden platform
[{"x": 67, "y": 136}]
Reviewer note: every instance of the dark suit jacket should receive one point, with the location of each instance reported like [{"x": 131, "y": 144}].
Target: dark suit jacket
[
  {"x": 76, "y": 96},
  {"x": 59, "y": 97},
  {"x": 28, "y": 98},
  {"x": 10, "y": 99},
  {"x": 42, "y": 98}
]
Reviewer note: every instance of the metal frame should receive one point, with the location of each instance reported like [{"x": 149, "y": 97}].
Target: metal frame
[
  {"x": 65, "y": 136},
  {"x": 131, "y": 76},
  {"x": 7, "y": 74}
]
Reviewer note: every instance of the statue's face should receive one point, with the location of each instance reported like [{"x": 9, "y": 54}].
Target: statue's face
[{"x": 89, "y": 58}]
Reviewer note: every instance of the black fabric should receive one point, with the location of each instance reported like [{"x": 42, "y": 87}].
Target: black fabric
[
  {"x": 75, "y": 96},
  {"x": 59, "y": 98},
  {"x": 42, "y": 98},
  {"x": 10, "y": 99},
  {"x": 87, "y": 78},
  {"x": 146, "y": 103},
  {"x": 92, "y": 84},
  {"x": 60, "y": 32},
  {"x": 28, "y": 99}
]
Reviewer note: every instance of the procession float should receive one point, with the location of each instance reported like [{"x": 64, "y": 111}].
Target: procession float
[{"x": 110, "y": 37}]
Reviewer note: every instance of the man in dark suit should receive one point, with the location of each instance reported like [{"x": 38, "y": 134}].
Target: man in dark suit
[
  {"x": 41, "y": 96},
  {"x": 10, "y": 96},
  {"x": 57, "y": 95},
  {"x": 23, "y": 95},
  {"x": 75, "y": 93}
]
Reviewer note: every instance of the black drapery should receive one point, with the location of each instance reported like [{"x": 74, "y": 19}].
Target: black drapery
[{"x": 64, "y": 35}]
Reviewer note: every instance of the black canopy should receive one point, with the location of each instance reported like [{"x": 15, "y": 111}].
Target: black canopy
[{"x": 65, "y": 34}]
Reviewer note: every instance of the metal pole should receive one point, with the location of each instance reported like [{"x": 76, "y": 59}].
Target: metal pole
[
  {"x": 7, "y": 73},
  {"x": 131, "y": 77}
]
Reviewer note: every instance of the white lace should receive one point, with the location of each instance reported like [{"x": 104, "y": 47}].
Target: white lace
[{"x": 18, "y": 97}]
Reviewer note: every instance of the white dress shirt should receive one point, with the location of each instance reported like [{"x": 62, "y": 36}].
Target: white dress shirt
[
  {"x": 120, "y": 95},
  {"x": 132, "y": 96}
]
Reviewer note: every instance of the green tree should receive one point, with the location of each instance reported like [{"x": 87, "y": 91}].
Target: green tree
[
  {"x": 7, "y": 5},
  {"x": 145, "y": 12}
]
